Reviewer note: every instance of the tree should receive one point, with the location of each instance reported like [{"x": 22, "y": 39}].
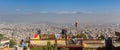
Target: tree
[
  {"x": 51, "y": 47},
  {"x": 81, "y": 35},
  {"x": 12, "y": 43},
  {"x": 48, "y": 47},
  {"x": 1, "y": 36},
  {"x": 64, "y": 49}
]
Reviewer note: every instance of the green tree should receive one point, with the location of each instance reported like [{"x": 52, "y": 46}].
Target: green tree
[
  {"x": 1, "y": 36},
  {"x": 81, "y": 35},
  {"x": 64, "y": 49},
  {"x": 12, "y": 43},
  {"x": 49, "y": 47}
]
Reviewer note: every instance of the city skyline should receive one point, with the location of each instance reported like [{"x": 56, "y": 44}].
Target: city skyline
[{"x": 59, "y": 11}]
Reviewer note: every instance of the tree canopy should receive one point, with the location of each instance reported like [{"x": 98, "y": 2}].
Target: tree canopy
[
  {"x": 1, "y": 36},
  {"x": 81, "y": 35}
]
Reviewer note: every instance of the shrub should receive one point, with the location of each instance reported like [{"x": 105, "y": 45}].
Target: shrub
[
  {"x": 12, "y": 43},
  {"x": 81, "y": 35},
  {"x": 64, "y": 49},
  {"x": 1, "y": 36}
]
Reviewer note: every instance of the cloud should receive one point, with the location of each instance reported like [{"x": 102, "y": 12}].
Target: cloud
[
  {"x": 17, "y": 9},
  {"x": 87, "y": 12},
  {"x": 60, "y": 12},
  {"x": 66, "y": 12},
  {"x": 44, "y": 12},
  {"x": 74, "y": 12}
]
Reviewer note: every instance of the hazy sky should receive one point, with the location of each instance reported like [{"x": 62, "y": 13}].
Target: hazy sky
[{"x": 60, "y": 11}]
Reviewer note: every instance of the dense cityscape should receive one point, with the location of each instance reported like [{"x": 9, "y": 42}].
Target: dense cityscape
[
  {"x": 22, "y": 31},
  {"x": 59, "y": 25},
  {"x": 19, "y": 32}
]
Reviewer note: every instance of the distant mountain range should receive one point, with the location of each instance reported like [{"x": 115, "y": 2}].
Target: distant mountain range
[{"x": 59, "y": 18}]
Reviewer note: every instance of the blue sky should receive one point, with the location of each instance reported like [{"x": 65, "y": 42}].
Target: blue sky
[
  {"x": 60, "y": 5},
  {"x": 98, "y": 8}
]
